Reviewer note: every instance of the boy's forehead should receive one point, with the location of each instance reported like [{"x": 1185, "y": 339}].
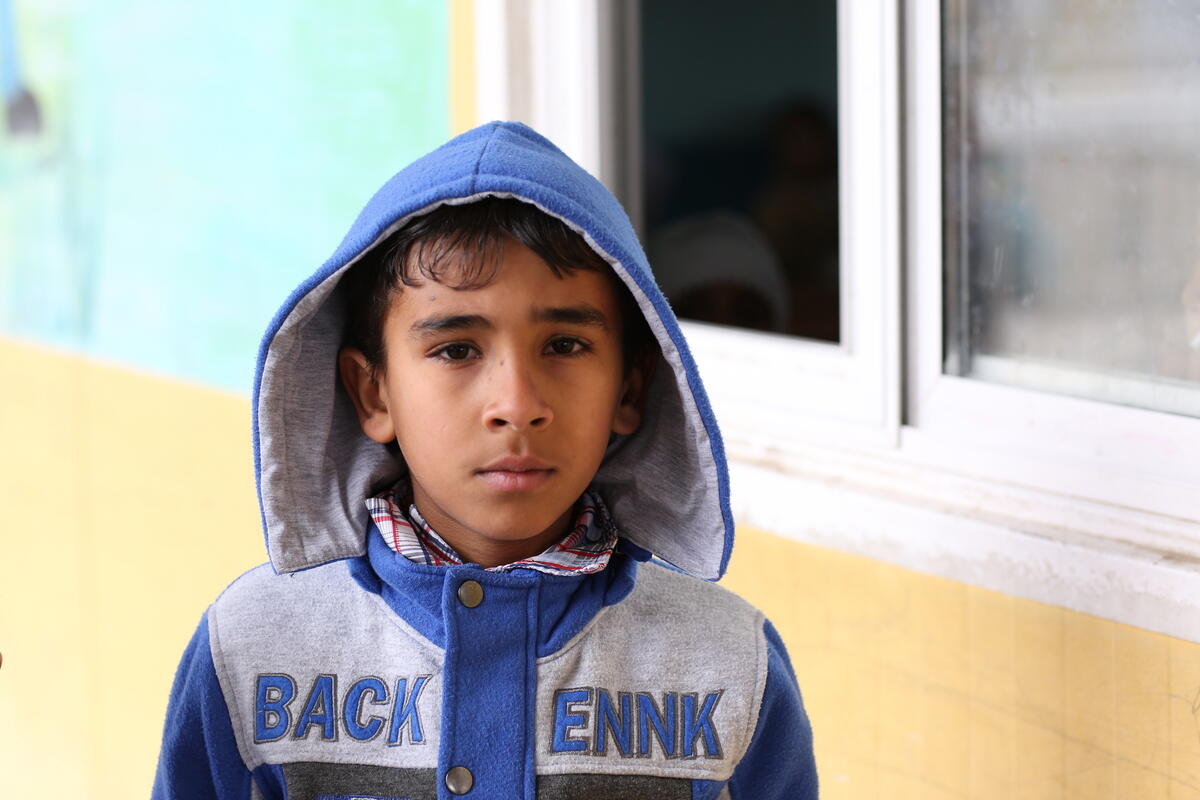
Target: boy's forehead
[{"x": 518, "y": 289}]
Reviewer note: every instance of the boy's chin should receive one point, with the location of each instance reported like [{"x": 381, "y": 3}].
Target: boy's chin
[
  {"x": 517, "y": 533},
  {"x": 524, "y": 527}
]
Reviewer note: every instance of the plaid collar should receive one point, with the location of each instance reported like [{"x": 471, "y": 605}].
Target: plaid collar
[{"x": 585, "y": 549}]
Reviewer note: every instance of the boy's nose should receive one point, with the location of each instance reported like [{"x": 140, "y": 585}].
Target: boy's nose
[{"x": 515, "y": 400}]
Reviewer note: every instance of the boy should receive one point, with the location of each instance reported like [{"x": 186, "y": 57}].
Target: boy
[{"x": 473, "y": 427}]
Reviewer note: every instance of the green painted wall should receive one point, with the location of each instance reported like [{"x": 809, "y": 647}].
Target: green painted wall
[{"x": 195, "y": 161}]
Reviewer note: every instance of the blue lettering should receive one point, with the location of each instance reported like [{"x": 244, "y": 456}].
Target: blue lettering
[
  {"x": 611, "y": 722},
  {"x": 320, "y": 709},
  {"x": 352, "y": 708},
  {"x": 271, "y": 716},
  {"x": 566, "y": 720},
  {"x": 405, "y": 712},
  {"x": 700, "y": 723},
  {"x": 662, "y": 723}
]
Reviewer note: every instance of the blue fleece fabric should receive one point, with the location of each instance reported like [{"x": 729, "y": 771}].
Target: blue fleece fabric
[
  {"x": 780, "y": 761},
  {"x": 199, "y": 757},
  {"x": 540, "y": 611},
  {"x": 565, "y": 604}
]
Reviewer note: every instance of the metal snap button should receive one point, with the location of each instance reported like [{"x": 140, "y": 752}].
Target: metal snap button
[
  {"x": 459, "y": 780},
  {"x": 470, "y": 593}
]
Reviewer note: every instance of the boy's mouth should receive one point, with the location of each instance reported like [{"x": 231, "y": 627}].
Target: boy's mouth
[{"x": 516, "y": 474}]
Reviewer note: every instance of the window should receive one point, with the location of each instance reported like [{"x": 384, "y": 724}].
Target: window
[
  {"x": 739, "y": 190},
  {"x": 709, "y": 140},
  {"x": 1048, "y": 314},
  {"x": 1072, "y": 199}
]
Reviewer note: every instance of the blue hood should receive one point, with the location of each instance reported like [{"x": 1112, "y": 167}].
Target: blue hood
[{"x": 667, "y": 485}]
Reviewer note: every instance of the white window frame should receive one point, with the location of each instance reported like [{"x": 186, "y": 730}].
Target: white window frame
[
  {"x": 866, "y": 446},
  {"x": 774, "y": 392},
  {"x": 538, "y": 62},
  {"x": 1097, "y": 451}
]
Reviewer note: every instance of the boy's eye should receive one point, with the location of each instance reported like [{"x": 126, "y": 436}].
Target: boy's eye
[
  {"x": 454, "y": 352},
  {"x": 566, "y": 346}
]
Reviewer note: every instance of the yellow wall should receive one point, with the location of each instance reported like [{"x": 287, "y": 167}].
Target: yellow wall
[
  {"x": 129, "y": 504},
  {"x": 921, "y": 687},
  {"x": 462, "y": 66}
]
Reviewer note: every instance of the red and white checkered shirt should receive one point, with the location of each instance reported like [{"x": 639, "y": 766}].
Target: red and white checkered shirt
[{"x": 585, "y": 549}]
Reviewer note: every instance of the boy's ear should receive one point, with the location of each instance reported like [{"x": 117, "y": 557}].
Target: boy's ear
[
  {"x": 365, "y": 392},
  {"x": 633, "y": 393}
]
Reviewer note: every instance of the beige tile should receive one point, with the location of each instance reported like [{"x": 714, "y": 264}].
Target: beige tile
[
  {"x": 1143, "y": 705},
  {"x": 900, "y": 739},
  {"x": 947, "y": 752},
  {"x": 859, "y": 710},
  {"x": 990, "y": 625},
  {"x": 840, "y": 696},
  {"x": 1089, "y": 708},
  {"x": 820, "y": 685},
  {"x": 941, "y": 607},
  {"x": 156, "y": 447},
  {"x": 1089, "y": 683},
  {"x": 1039, "y": 759},
  {"x": 860, "y": 613},
  {"x": 46, "y": 637},
  {"x": 895, "y": 623},
  {"x": 1038, "y": 663},
  {"x": 1184, "y": 712},
  {"x": 817, "y": 670},
  {"x": 1178, "y": 790},
  {"x": 852, "y": 779},
  {"x": 1141, "y": 783},
  {"x": 809, "y": 594},
  {"x": 992, "y": 756},
  {"x": 835, "y": 771},
  {"x": 1089, "y": 773},
  {"x": 903, "y": 785}
]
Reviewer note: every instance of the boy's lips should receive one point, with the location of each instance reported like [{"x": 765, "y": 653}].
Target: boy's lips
[{"x": 516, "y": 474}]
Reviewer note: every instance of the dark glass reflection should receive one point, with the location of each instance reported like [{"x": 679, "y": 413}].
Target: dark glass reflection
[{"x": 741, "y": 162}]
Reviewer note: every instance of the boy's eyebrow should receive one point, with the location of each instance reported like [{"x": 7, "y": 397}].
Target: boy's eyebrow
[
  {"x": 441, "y": 323},
  {"x": 582, "y": 314}
]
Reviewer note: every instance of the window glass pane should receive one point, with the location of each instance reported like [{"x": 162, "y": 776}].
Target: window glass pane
[
  {"x": 1072, "y": 197},
  {"x": 739, "y": 116}
]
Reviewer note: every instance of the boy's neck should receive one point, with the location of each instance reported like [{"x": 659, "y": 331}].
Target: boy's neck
[{"x": 474, "y": 547}]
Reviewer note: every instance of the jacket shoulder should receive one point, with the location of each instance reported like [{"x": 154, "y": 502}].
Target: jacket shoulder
[
  {"x": 679, "y": 599},
  {"x": 303, "y": 633},
  {"x": 262, "y": 590},
  {"x": 323, "y": 603},
  {"x": 676, "y": 646}
]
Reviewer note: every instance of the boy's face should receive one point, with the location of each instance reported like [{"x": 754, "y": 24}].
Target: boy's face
[{"x": 502, "y": 400}]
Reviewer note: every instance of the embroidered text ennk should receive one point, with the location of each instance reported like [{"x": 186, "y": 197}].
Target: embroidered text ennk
[{"x": 588, "y": 720}]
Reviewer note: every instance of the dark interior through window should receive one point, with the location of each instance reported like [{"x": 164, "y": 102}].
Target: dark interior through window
[{"x": 739, "y": 119}]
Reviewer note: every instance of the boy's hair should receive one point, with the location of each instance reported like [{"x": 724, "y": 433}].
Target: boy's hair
[{"x": 460, "y": 246}]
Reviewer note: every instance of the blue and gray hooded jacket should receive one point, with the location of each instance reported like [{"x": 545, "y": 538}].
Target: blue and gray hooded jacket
[{"x": 343, "y": 670}]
